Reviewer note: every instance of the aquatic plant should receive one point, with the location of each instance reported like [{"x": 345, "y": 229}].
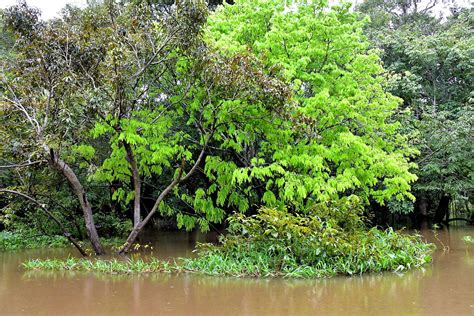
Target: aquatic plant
[
  {"x": 329, "y": 240},
  {"x": 114, "y": 266}
]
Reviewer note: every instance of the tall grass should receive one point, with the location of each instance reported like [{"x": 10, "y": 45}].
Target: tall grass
[{"x": 114, "y": 266}]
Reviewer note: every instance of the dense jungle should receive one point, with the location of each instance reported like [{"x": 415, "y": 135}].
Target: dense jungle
[{"x": 237, "y": 146}]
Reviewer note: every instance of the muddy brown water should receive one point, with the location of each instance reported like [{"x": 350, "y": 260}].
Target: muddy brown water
[{"x": 446, "y": 287}]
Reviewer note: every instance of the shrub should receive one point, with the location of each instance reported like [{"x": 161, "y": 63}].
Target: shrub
[{"x": 329, "y": 239}]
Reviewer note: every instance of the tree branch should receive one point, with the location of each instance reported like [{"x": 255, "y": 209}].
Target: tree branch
[
  {"x": 54, "y": 218},
  {"x": 198, "y": 160},
  {"x": 24, "y": 164}
]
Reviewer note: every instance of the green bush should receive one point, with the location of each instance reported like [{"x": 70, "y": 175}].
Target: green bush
[{"x": 329, "y": 239}]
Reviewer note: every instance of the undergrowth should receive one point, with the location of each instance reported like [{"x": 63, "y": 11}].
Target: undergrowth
[
  {"x": 14, "y": 241},
  {"x": 32, "y": 240},
  {"x": 327, "y": 240},
  {"x": 375, "y": 251}
]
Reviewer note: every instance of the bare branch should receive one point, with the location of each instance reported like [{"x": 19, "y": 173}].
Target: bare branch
[
  {"x": 198, "y": 160},
  {"x": 430, "y": 5},
  {"x": 23, "y": 164}
]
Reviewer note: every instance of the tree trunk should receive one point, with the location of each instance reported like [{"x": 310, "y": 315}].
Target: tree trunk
[
  {"x": 78, "y": 189},
  {"x": 138, "y": 228},
  {"x": 423, "y": 212},
  {"x": 136, "y": 184},
  {"x": 442, "y": 211}
]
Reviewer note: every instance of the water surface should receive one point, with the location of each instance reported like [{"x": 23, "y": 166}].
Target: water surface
[{"x": 445, "y": 287}]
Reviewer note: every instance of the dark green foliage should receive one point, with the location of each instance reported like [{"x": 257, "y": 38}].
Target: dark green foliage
[
  {"x": 430, "y": 66},
  {"x": 31, "y": 239}
]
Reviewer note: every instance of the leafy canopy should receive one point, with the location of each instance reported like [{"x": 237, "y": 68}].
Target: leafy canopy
[{"x": 336, "y": 138}]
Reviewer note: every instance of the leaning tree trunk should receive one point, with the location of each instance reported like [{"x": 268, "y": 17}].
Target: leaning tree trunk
[
  {"x": 78, "y": 189},
  {"x": 139, "y": 227}
]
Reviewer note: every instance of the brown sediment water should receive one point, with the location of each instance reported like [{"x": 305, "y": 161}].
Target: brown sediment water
[{"x": 446, "y": 287}]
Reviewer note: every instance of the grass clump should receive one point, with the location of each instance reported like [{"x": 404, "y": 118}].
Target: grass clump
[
  {"x": 327, "y": 240},
  {"x": 113, "y": 266}
]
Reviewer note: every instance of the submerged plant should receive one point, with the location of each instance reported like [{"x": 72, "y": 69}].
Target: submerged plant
[{"x": 468, "y": 239}]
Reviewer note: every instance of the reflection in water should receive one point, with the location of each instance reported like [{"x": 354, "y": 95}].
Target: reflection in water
[{"x": 444, "y": 288}]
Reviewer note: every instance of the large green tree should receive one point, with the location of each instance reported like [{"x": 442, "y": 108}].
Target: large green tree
[
  {"x": 139, "y": 78},
  {"x": 335, "y": 137}
]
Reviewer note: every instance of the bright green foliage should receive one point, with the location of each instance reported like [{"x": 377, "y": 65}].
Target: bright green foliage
[
  {"x": 235, "y": 103},
  {"x": 153, "y": 146},
  {"x": 185, "y": 98},
  {"x": 329, "y": 240},
  {"x": 122, "y": 92},
  {"x": 335, "y": 137}
]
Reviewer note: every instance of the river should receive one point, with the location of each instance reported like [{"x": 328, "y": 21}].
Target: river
[{"x": 446, "y": 287}]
